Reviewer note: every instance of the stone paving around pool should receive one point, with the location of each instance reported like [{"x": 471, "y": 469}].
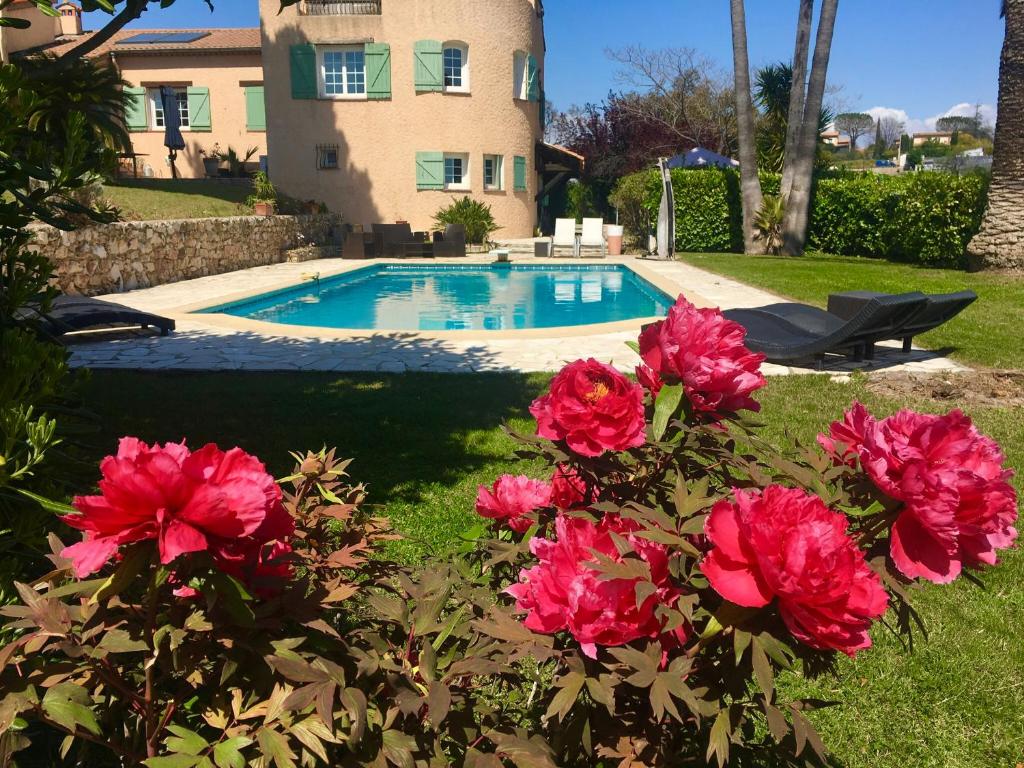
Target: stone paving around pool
[{"x": 213, "y": 342}]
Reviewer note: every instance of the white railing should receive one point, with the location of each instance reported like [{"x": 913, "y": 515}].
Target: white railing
[{"x": 340, "y": 7}]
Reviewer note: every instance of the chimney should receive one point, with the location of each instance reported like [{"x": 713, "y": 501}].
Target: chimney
[{"x": 70, "y": 18}]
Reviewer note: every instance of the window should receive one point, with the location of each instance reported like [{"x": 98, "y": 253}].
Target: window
[
  {"x": 456, "y": 171},
  {"x": 493, "y": 173},
  {"x": 520, "y": 76},
  {"x": 342, "y": 72},
  {"x": 156, "y": 108},
  {"x": 455, "y": 62},
  {"x": 327, "y": 157}
]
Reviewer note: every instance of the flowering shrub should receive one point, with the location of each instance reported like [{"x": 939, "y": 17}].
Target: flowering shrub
[
  {"x": 633, "y": 610},
  {"x": 679, "y": 574}
]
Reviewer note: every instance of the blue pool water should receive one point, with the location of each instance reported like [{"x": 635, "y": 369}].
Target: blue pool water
[{"x": 460, "y": 297}]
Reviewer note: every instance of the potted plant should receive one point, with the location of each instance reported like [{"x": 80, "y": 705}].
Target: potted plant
[
  {"x": 211, "y": 160},
  {"x": 263, "y": 195}
]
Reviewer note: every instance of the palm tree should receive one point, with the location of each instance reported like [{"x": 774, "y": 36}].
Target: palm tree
[
  {"x": 999, "y": 243},
  {"x": 750, "y": 184},
  {"x": 798, "y": 201},
  {"x": 797, "y": 96},
  {"x": 773, "y": 92}
]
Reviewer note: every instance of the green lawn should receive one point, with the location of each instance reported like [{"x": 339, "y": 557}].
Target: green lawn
[
  {"x": 424, "y": 442},
  {"x": 145, "y": 199},
  {"x": 988, "y": 333}
]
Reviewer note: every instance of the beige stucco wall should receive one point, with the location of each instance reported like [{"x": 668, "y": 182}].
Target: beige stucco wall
[
  {"x": 43, "y": 30},
  {"x": 378, "y": 140},
  {"x": 224, "y": 74}
]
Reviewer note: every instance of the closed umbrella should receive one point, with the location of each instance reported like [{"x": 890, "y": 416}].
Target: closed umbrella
[{"x": 172, "y": 126}]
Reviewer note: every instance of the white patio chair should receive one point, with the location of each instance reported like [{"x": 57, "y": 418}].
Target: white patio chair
[
  {"x": 565, "y": 236},
  {"x": 593, "y": 236}
]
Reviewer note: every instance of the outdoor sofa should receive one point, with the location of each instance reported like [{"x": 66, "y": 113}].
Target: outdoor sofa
[
  {"x": 398, "y": 241},
  {"x": 79, "y": 313},
  {"x": 451, "y": 243}
]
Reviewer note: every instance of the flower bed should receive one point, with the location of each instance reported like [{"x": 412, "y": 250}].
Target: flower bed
[{"x": 633, "y": 609}]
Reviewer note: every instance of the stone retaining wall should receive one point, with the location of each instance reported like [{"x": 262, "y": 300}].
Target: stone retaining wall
[{"x": 110, "y": 258}]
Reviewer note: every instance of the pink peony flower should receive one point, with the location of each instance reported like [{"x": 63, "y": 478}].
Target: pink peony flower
[
  {"x": 512, "y": 499},
  {"x": 187, "y": 502},
  {"x": 569, "y": 490},
  {"x": 849, "y": 432},
  {"x": 593, "y": 408},
  {"x": 785, "y": 543},
  {"x": 704, "y": 351},
  {"x": 562, "y": 592},
  {"x": 649, "y": 379},
  {"x": 958, "y": 505}
]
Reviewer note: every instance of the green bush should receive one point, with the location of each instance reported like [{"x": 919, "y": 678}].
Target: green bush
[
  {"x": 631, "y": 196},
  {"x": 475, "y": 216},
  {"x": 924, "y": 218}
]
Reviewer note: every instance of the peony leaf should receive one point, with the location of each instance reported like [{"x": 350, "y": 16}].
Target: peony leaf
[
  {"x": 602, "y": 690},
  {"x": 762, "y": 669},
  {"x": 569, "y": 690},
  {"x": 354, "y": 701},
  {"x": 136, "y": 557},
  {"x": 740, "y": 641},
  {"x": 68, "y": 706},
  {"x": 718, "y": 740},
  {"x": 275, "y": 747},
  {"x": 439, "y": 701},
  {"x": 171, "y": 761},
  {"x": 634, "y": 346},
  {"x": 119, "y": 641},
  {"x": 665, "y": 406},
  {"x": 185, "y": 741}
]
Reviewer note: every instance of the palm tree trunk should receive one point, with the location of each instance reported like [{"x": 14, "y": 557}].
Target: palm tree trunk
[
  {"x": 798, "y": 205},
  {"x": 750, "y": 184},
  {"x": 797, "y": 93},
  {"x": 1000, "y": 242}
]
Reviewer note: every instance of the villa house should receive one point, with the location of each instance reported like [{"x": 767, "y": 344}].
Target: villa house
[
  {"x": 834, "y": 139},
  {"x": 218, "y": 76},
  {"x": 938, "y": 137},
  {"x": 387, "y": 109}
]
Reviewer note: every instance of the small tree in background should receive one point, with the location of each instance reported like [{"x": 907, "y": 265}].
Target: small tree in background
[{"x": 854, "y": 125}]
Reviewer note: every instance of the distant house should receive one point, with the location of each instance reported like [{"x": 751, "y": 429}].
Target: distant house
[
  {"x": 218, "y": 76},
  {"x": 42, "y": 29},
  {"x": 386, "y": 110},
  {"x": 939, "y": 137},
  {"x": 835, "y": 139}
]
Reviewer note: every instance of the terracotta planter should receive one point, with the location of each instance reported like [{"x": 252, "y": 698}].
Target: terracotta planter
[{"x": 263, "y": 208}]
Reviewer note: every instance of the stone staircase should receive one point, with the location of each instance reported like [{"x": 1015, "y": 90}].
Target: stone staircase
[{"x": 522, "y": 246}]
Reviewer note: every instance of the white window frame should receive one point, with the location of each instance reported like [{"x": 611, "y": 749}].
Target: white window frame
[
  {"x": 156, "y": 110},
  {"x": 520, "y": 86},
  {"x": 464, "y": 185},
  {"x": 498, "y": 183},
  {"x": 321, "y": 72},
  {"x": 463, "y": 49}
]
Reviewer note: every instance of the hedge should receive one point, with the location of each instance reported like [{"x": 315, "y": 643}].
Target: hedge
[{"x": 925, "y": 218}]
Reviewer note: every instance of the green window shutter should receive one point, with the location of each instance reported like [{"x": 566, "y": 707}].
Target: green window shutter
[
  {"x": 519, "y": 174},
  {"x": 429, "y": 170},
  {"x": 198, "y": 107},
  {"x": 532, "y": 78},
  {"x": 303, "y": 71},
  {"x": 135, "y": 116},
  {"x": 428, "y": 63},
  {"x": 543, "y": 112},
  {"x": 255, "y": 109},
  {"x": 378, "y": 70}
]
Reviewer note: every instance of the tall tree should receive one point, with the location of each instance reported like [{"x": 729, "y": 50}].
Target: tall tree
[
  {"x": 797, "y": 93},
  {"x": 798, "y": 201},
  {"x": 750, "y": 184},
  {"x": 854, "y": 125},
  {"x": 999, "y": 243}
]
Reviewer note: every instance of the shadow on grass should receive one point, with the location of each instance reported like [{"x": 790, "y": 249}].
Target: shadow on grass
[{"x": 235, "y": 191}]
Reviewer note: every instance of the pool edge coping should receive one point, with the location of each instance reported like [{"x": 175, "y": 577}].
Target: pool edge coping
[{"x": 194, "y": 312}]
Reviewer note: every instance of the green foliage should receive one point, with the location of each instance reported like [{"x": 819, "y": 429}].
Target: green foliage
[
  {"x": 920, "y": 218},
  {"x": 772, "y": 87},
  {"x": 59, "y": 134},
  {"x": 630, "y": 197},
  {"x": 582, "y": 200},
  {"x": 263, "y": 190},
  {"x": 768, "y": 223},
  {"x": 475, "y": 216}
]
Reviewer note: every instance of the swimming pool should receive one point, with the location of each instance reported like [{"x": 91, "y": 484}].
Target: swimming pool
[{"x": 440, "y": 297}]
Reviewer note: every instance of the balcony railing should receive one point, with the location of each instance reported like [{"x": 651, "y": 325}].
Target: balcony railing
[{"x": 340, "y": 7}]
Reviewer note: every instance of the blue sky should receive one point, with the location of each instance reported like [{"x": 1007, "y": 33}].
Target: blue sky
[{"x": 917, "y": 59}]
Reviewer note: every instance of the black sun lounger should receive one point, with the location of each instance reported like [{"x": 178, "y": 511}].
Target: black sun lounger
[
  {"x": 786, "y": 332},
  {"x": 79, "y": 313},
  {"x": 941, "y": 308}
]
